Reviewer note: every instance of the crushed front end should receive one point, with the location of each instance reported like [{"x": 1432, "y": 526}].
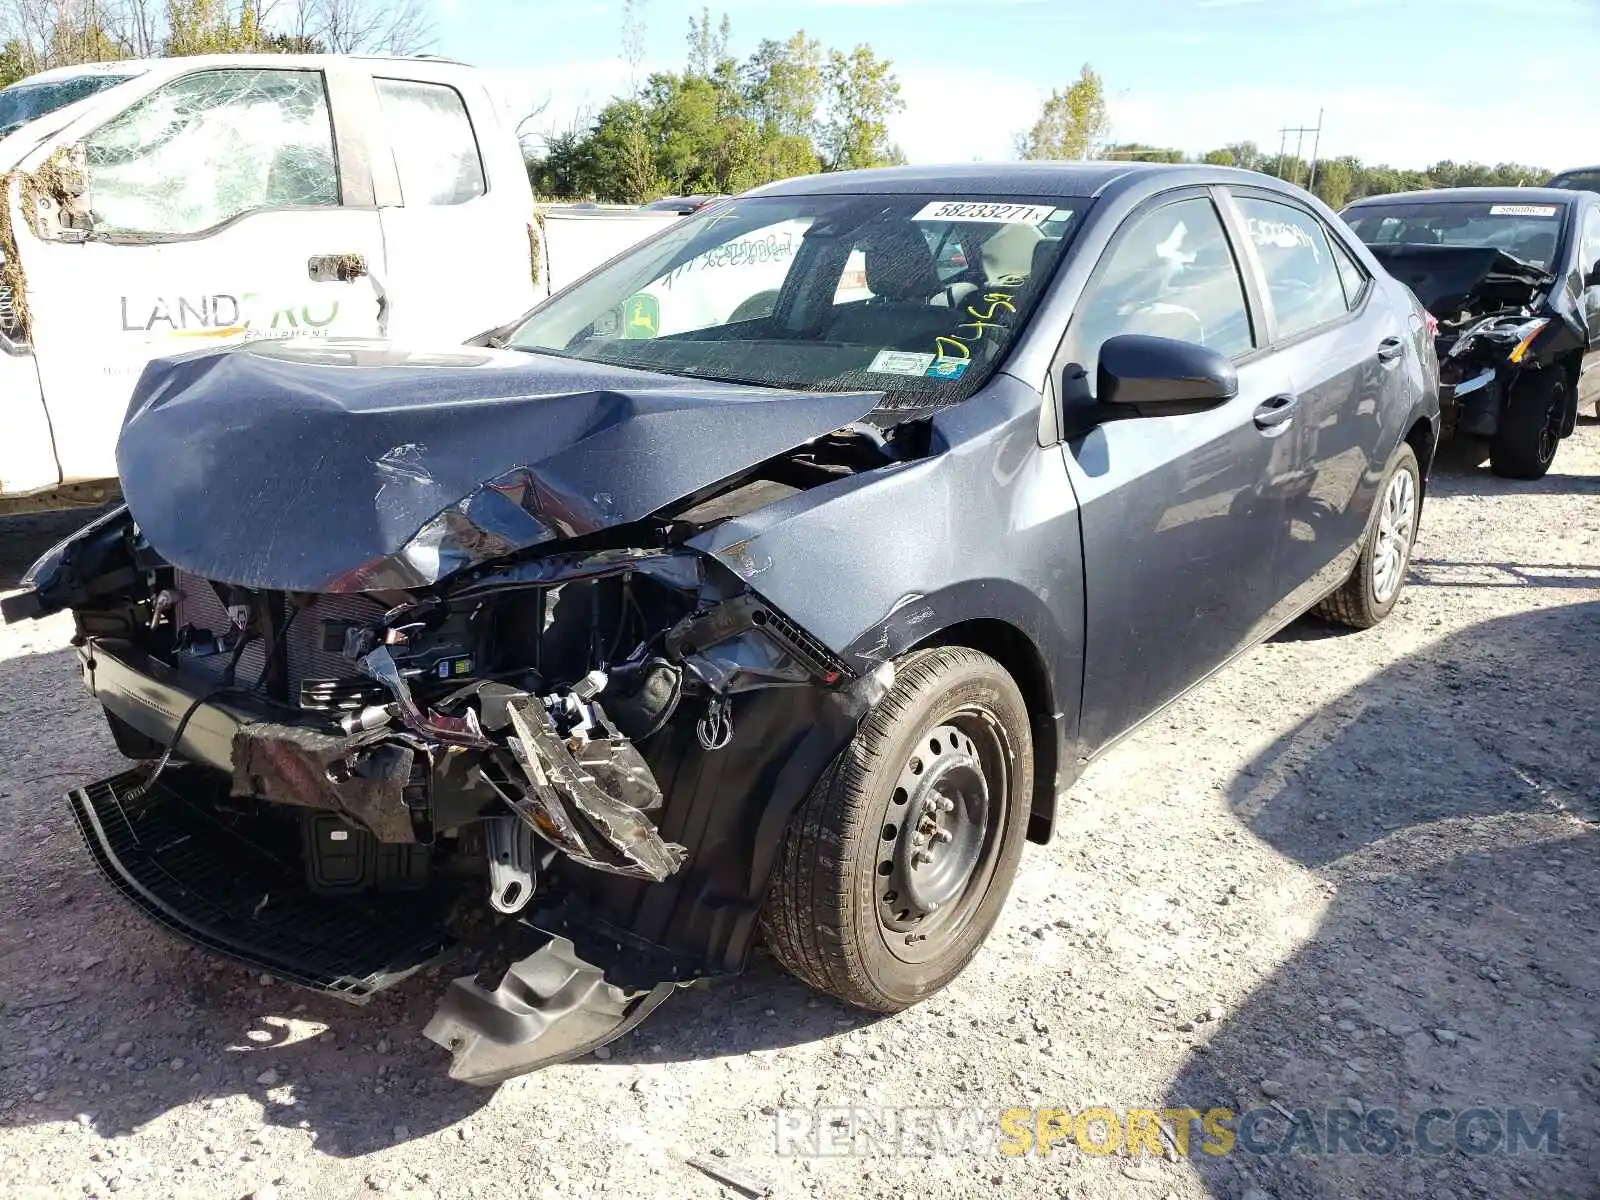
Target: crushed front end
[{"x": 334, "y": 784}]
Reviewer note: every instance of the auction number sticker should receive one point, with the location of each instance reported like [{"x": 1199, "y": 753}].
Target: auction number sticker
[
  {"x": 984, "y": 213},
  {"x": 1523, "y": 210}
]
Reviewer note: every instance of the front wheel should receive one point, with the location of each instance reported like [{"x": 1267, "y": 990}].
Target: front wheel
[
  {"x": 894, "y": 868},
  {"x": 1372, "y": 590},
  {"x": 1531, "y": 426}
]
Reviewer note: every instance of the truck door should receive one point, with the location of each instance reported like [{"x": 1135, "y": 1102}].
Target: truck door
[
  {"x": 456, "y": 209},
  {"x": 224, "y": 205}
]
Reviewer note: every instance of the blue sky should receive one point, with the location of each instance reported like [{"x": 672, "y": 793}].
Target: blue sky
[{"x": 1404, "y": 83}]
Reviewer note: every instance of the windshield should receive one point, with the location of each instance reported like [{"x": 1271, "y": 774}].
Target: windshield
[
  {"x": 23, "y": 102},
  {"x": 1530, "y": 232},
  {"x": 917, "y": 294}
]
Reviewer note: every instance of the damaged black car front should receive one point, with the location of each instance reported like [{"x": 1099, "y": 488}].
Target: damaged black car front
[
  {"x": 1512, "y": 276},
  {"x": 536, "y": 639}
]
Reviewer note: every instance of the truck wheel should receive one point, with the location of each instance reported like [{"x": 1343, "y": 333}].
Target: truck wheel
[
  {"x": 1531, "y": 425},
  {"x": 894, "y": 868},
  {"x": 1370, "y": 594}
]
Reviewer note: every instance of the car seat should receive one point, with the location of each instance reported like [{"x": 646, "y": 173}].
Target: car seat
[{"x": 903, "y": 279}]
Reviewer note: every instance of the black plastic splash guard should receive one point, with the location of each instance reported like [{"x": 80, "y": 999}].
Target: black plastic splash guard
[{"x": 175, "y": 856}]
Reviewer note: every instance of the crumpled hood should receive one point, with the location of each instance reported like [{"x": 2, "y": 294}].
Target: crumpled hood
[
  {"x": 343, "y": 466},
  {"x": 1447, "y": 278}
]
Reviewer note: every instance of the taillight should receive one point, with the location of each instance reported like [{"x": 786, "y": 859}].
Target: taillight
[{"x": 1432, "y": 323}]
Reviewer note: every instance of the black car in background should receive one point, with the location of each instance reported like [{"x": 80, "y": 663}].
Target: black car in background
[
  {"x": 1513, "y": 277},
  {"x": 650, "y": 629},
  {"x": 1579, "y": 179}
]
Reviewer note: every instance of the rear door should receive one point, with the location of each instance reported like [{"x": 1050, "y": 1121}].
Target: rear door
[
  {"x": 457, "y": 214},
  {"x": 226, "y": 204},
  {"x": 1588, "y": 266},
  {"x": 1183, "y": 518},
  {"x": 1342, "y": 346}
]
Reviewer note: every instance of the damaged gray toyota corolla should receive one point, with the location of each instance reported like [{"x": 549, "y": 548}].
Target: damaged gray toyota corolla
[{"x": 770, "y": 581}]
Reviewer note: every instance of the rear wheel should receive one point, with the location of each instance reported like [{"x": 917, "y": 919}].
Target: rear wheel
[
  {"x": 1531, "y": 426},
  {"x": 893, "y": 870},
  {"x": 1373, "y": 589}
]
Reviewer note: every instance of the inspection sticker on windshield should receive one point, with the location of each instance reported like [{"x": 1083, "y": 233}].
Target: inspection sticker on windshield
[
  {"x": 900, "y": 362},
  {"x": 1523, "y": 210},
  {"x": 948, "y": 368},
  {"x": 981, "y": 213}
]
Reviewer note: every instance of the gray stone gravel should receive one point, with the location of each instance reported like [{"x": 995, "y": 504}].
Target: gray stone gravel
[{"x": 1352, "y": 873}]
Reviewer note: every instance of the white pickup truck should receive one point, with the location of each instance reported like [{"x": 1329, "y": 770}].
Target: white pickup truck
[{"x": 154, "y": 207}]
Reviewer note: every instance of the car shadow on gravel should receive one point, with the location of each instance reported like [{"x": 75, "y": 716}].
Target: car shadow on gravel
[{"x": 1452, "y": 808}]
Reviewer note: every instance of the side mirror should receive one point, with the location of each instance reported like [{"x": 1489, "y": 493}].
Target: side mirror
[
  {"x": 1142, "y": 376},
  {"x": 1592, "y": 279}
]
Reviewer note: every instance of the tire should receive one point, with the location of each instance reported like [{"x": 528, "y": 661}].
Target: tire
[
  {"x": 834, "y": 915},
  {"x": 1374, "y": 587},
  {"x": 1531, "y": 425}
]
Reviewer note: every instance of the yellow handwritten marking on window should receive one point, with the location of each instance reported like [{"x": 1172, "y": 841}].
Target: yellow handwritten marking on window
[{"x": 982, "y": 322}]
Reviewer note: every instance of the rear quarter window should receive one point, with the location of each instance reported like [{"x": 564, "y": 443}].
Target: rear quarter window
[{"x": 435, "y": 147}]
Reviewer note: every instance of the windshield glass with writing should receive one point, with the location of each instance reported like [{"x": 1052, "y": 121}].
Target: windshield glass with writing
[
  {"x": 1530, "y": 232},
  {"x": 24, "y": 102},
  {"x": 906, "y": 294}
]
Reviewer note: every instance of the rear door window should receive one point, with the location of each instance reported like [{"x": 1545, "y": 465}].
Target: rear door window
[
  {"x": 210, "y": 147},
  {"x": 435, "y": 148},
  {"x": 1303, "y": 279}
]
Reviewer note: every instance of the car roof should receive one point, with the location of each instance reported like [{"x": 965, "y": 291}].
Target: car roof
[
  {"x": 1478, "y": 195},
  {"x": 1075, "y": 180}
]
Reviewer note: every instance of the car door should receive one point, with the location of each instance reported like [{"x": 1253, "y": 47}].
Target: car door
[
  {"x": 1589, "y": 269},
  {"x": 1343, "y": 348},
  {"x": 456, "y": 224},
  {"x": 219, "y": 211},
  {"x": 1182, "y": 523}
]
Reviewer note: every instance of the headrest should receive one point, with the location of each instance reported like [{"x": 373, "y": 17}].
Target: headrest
[{"x": 899, "y": 263}]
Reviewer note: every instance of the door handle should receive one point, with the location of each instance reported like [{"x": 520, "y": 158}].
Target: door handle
[
  {"x": 1390, "y": 349},
  {"x": 336, "y": 268},
  {"x": 1275, "y": 413}
]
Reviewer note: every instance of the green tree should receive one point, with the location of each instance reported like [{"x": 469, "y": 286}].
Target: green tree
[
  {"x": 15, "y": 62},
  {"x": 212, "y": 27},
  {"x": 1072, "y": 124},
  {"x": 784, "y": 84},
  {"x": 623, "y": 154},
  {"x": 1142, "y": 152},
  {"x": 863, "y": 93},
  {"x": 1335, "y": 179}
]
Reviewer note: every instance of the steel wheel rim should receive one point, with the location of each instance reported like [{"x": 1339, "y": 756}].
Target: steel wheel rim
[
  {"x": 927, "y": 886},
  {"x": 1397, "y": 518}
]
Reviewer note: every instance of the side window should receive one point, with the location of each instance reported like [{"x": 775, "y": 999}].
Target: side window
[
  {"x": 1589, "y": 243},
  {"x": 1302, "y": 277},
  {"x": 1170, "y": 273},
  {"x": 435, "y": 149},
  {"x": 210, "y": 147},
  {"x": 1351, "y": 274}
]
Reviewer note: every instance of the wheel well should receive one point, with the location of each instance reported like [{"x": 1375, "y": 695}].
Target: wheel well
[
  {"x": 1012, "y": 649},
  {"x": 1423, "y": 440}
]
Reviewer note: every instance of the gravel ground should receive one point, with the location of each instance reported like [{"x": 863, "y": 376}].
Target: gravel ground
[{"x": 1354, "y": 873}]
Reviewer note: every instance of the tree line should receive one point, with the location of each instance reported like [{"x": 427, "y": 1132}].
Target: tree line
[
  {"x": 723, "y": 125},
  {"x": 36, "y": 35},
  {"x": 1074, "y": 123}
]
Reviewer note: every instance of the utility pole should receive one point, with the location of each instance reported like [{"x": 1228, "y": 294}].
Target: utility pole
[
  {"x": 1299, "y": 144},
  {"x": 1316, "y": 146}
]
